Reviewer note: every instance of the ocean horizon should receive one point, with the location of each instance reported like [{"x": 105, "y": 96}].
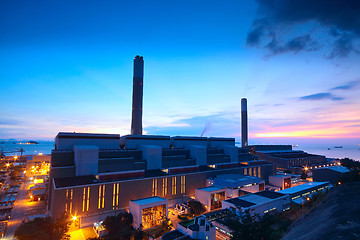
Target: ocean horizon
[{"x": 328, "y": 150}]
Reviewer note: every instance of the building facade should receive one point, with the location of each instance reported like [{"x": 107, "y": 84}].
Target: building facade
[{"x": 96, "y": 175}]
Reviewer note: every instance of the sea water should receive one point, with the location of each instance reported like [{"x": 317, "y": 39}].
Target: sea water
[{"x": 329, "y": 150}]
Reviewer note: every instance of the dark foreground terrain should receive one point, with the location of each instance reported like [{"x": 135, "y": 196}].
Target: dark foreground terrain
[{"x": 338, "y": 217}]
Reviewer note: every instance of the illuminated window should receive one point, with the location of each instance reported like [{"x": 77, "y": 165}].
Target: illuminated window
[
  {"x": 88, "y": 199},
  {"x": 154, "y": 187},
  {"x": 254, "y": 172},
  {"x": 115, "y": 195},
  {"x": 67, "y": 198},
  {"x": 68, "y": 202},
  {"x": 103, "y": 197},
  {"x": 259, "y": 172},
  {"x": 245, "y": 171},
  {"x": 173, "y": 186},
  {"x": 99, "y": 203},
  {"x": 84, "y": 199},
  {"x": 164, "y": 187},
  {"x": 71, "y": 197},
  {"x": 183, "y": 184}
]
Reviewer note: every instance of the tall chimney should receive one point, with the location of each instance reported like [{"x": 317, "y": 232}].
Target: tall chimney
[
  {"x": 244, "y": 123},
  {"x": 137, "y": 101}
]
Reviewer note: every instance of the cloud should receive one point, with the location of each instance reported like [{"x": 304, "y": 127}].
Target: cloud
[
  {"x": 6, "y": 121},
  {"x": 292, "y": 25},
  {"x": 321, "y": 96},
  {"x": 347, "y": 86}
]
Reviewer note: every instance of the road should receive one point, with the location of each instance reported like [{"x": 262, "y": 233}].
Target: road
[{"x": 22, "y": 210}]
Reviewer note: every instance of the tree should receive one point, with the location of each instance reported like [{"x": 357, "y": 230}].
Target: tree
[
  {"x": 196, "y": 207},
  {"x": 44, "y": 229},
  {"x": 253, "y": 227},
  {"x": 304, "y": 175},
  {"x": 119, "y": 225}
]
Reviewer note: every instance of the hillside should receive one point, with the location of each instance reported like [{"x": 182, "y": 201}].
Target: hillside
[{"x": 338, "y": 217}]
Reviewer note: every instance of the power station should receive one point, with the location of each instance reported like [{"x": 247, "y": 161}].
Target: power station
[{"x": 96, "y": 175}]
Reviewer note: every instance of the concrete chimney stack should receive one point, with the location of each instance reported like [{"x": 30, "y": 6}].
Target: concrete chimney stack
[
  {"x": 244, "y": 123},
  {"x": 137, "y": 100}
]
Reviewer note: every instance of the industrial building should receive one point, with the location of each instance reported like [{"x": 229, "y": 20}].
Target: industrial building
[
  {"x": 331, "y": 174},
  {"x": 237, "y": 185},
  {"x": 259, "y": 203},
  {"x": 285, "y": 158},
  {"x": 297, "y": 193},
  {"x": 92, "y": 177},
  {"x": 96, "y": 175},
  {"x": 281, "y": 181}
]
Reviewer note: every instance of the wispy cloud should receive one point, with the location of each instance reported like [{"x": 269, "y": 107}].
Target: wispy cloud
[
  {"x": 347, "y": 86},
  {"x": 321, "y": 96},
  {"x": 8, "y": 121}
]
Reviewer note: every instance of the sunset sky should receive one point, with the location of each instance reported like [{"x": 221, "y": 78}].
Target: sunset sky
[{"x": 67, "y": 66}]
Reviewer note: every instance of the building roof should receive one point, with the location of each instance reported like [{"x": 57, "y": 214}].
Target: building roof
[
  {"x": 149, "y": 200},
  {"x": 235, "y": 180},
  {"x": 281, "y": 176},
  {"x": 194, "y": 227},
  {"x": 147, "y": 137},
  {"x": 340, "y": 169},
  {"x": 210, "y": 189},
  {"x": 172, "y": 235},
  {"x": 281, "y": 151},
  {"x": 239, "y": 203},
  {"x": 270, "y": 194},
  {"x": 75, "y": 181},
  {"x": 255, "y": 199},
  {"x": 302, "y": 187},
  {"x": 87, "y": 135}
]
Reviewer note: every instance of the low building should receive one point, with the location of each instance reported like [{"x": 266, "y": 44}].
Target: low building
[
  {"x": 259, "y": 203},
  {"x": 282, "y": 181},
  {"x": 237, "y": 185},
  {"x": 305, "y": 190},
  {"x": 331, "y": 174},
  {"x": 197, "y": 228},
  {"x": 210, "y": 197},
  {"x": 148, "y": 212}
]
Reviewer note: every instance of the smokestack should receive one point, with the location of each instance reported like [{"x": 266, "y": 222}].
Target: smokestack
[
  {"x": 137, "y": 101},
  {"x": 244, "y": 123}
]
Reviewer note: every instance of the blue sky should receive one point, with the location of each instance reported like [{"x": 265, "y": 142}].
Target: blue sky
[{"x": 67, "y": 66}]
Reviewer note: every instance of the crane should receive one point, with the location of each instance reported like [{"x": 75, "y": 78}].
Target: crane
[{"x": 2, "y": 154}]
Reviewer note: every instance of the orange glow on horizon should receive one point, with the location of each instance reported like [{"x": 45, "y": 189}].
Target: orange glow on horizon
[{"x": 313, "y": 131}]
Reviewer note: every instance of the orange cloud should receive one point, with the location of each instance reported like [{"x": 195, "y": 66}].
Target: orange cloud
[{"x": 311, "y": 131}]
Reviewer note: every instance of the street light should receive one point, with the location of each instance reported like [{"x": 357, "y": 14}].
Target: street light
[{"x": 74, "y": 218}]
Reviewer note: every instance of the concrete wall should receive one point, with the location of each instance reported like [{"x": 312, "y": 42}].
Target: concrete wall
[
  {"x": 66, "y": 141},
  {"x": 152, "y": 155},
  {"x": 135, "y": 141},
  {"x": 86, "y": 159}
]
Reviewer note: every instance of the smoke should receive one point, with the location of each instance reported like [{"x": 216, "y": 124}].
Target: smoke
[{"x": 207, "y": 128}]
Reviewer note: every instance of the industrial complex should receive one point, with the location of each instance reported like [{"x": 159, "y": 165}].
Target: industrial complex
[{"x": 93, "y": 176}]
